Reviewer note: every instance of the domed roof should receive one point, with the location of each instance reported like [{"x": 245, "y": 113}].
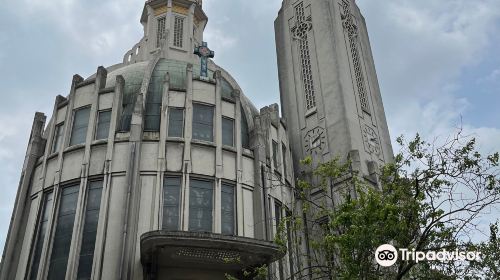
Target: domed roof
[{"x": 135, "y": 73}]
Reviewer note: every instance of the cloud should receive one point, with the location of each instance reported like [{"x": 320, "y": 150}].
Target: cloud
[
  {"x": 493, "y": 77},
  {"x": 421, "y": 49}
]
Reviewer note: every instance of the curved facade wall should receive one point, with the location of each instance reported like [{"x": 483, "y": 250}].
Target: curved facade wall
[{"x": 148, "y": 168}]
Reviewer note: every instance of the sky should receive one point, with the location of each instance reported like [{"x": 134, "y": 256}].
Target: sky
[{"x": 438, "y": 63}]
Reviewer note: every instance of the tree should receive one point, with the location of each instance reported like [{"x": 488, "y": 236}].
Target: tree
[{"x": 429, "y": 199}]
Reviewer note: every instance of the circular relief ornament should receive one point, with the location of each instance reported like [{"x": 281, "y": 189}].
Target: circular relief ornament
[
  {"x": 204, "y": 51},
  {"x": 371, "y": 141},
  {"x": 315, "y": 140}
]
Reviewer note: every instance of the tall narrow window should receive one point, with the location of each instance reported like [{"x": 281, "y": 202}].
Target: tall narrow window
[
  {"x": 284, "y": 160},
  {"x": 275, "y": 156},
  {"x": 176, "y": 122},
  {"x": 203, "y": 122},
  {"x": 152, "y": 115},
  {"x": 58, "y": 137},
  {"x": 227, "y": 209},
  {"x": 201, "y": 205},
  {"x": 277, "y": 213},
  {"x": 42, "y": 231},
  {"x": 64, "y": 231},
  {"x": 80, "y": 125},
  {"x": 171, "y": 199},
  {"x": 160, "y": 33},
  {"x": 245, "y": 136},
  {"x": 228, "y": 132},
  {"x": 103, "y": 122},
  {"x": 178, "y": 31},
  {"x": 90, "y": 230}
]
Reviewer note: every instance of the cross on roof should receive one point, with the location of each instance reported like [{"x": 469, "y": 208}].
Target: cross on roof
[{"x": 204, "y": 53}]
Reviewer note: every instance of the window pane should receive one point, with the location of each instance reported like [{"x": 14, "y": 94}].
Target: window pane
[
  {"x": 275, "y": 156},
  {"x": 176, "y": 122},
  {"x": 203, "y": 118},
  {"x": 285, "y": 165},
  {"x": 178, "y": 31},
  {"x": 200, "y": 205},
  {"x": 245, "y": 137},
  {"x": 90, "y": 230},
  {"x": 80, "y": 125},
  {"x": 64, "y": 230},
  {"x": 103, "y": 123},
  {"x": 171, "y": 200},
  {"x": 227, "y": 132},
  {"x": 42, "y": 227},
  {"x": 160, "y": 35},
  {"x": 57, "y": 141},
  {"x": 227, "y": 209}
]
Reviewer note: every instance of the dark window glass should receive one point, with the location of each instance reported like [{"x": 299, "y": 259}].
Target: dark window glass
[
  {"x": 203, "y": 122},
  {"x": 227, "y": 209},
  {"x": 80, "y": 125},
  {"x": 58, "y": 137},
  {"x": 171, "y": 200},
  {"x": 153, "y": 107},
  {"x": 64, "y": 231},
  {"x": 284, "y": 156},
  {"x": 200, "y": 205},
  {"x": 176, "y": 122},
  {"x": 227, "y": 132},
  {"x": 42, "y": 230},
  {"x": 90, "y": 230},
  {"x": 275, "y": 156},
  {"x": 245, "y": 136},
  {"x": 103, "y": 122}
]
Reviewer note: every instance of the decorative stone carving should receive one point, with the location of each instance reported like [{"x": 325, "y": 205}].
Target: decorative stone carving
[
  {"x": 351, "y": 30},
  {"x": 300, "y": 33}
]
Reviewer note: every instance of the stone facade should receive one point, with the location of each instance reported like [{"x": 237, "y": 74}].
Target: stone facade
[{"x": 160, "y": 164}]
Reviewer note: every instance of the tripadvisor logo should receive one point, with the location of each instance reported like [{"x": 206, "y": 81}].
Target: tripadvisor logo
[{"x": 386, "y": 255}]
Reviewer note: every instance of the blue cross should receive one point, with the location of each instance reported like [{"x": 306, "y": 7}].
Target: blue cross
[{"x": 204, "y": 53}]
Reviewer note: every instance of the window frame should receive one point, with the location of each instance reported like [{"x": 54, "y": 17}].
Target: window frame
[
  {"x": 213, "y": 189},
  {"x": 58, "y": 130},
  {"x": 181, "y": 39},
  {"x": 162, "y": 35},
  {"x": 179, "y": 204},
  {"x": 75, "y": 111},
  {"x": 98, "y": 119},
  {"x": 235, "y": 208},
  {"x": 170, "y": 110},
  {"x": 233, "y": 138},
  {"x": 212, "y": 107}
]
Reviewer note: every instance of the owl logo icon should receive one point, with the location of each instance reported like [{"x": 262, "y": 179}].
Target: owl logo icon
[{"x": 386, "y": 255}]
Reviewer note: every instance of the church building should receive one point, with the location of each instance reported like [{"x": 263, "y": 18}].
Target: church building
[{"x": 160, "y": 167}]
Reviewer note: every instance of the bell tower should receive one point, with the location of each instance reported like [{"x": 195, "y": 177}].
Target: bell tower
[{"x": 330, "y": 95}]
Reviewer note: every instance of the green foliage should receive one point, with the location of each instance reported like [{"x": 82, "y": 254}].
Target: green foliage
[{"x": 429, "y": 198}]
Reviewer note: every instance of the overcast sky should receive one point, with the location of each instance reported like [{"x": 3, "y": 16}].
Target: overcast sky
[{"x": 438, "y": 61}]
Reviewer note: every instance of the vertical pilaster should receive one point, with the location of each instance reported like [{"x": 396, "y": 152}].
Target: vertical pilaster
[
  {"x": 218, "y": 152},
  {"x": 104, "y": 213},
  {"x": 187, "y": 168},
  {"x": 14, "y": 236},
  {"x": 162, "y": 153},
  {"x": 239, "y": 165}
]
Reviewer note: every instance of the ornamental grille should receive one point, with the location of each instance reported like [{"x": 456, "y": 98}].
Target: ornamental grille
[
  {"x": 178, "y": 31},
  {"x": 160, "y": 34},
  {"x": 300, "y": 33},
  {"x": 352, "y": 34},
  {"x": 209, "y": 255}
]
